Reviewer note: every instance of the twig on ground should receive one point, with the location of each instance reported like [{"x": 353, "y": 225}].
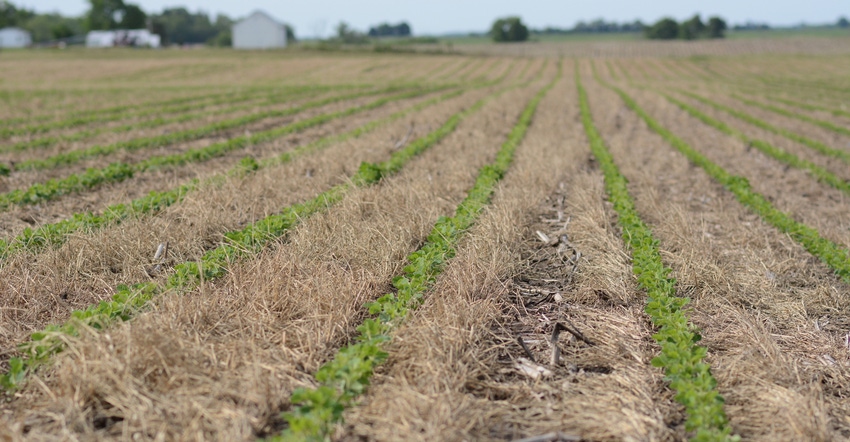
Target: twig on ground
[
  {"x": 525, "y": 348},
  {"x": 403, "y": 141},
  {"x": 556, "y": 351},
  {"x": 573, "y": 330}
]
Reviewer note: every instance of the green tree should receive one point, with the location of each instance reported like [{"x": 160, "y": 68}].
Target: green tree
[
  {"x": 664, "y": 29},
  {"x": 290, "y": 34},
  {"x": 716, "y": 27},
  {"x": 104, "y": 14},
  {"x": 692, "y": 29},
  {"x": 178, "y": 25},
  {"x": 510, "y": 29},
  {"x": 843, "y": 23},
  {"x": 62, "y": 30},
  {"x": 346, "y": 34},
  {"x": 133, "y": 17},
  {"x": 13, "y": 16}
]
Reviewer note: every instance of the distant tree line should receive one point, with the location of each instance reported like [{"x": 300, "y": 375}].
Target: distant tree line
[
  {"x": 173, "y": 25},
  {"x": 43, "y": 27},
  {"x": 691, "y": 29},
  {"x": 387, "y": 30},
  {"x": 598, "y": 26}
]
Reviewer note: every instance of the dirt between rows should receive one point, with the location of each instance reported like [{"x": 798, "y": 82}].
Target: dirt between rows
[
  {"x": 42, "y": 106},
  {"x": 19, "y": 217},
  {"x": 456, "y": 370},
  {"x": 220, "y": 362},
  {"x": 774, "y": 319},
  {"x": 790, "y": 189},
  {"x": 808, "y": 130},
  {"x": 81, "y": 272},
  {"x": 252, "y": 102},
  {"x": 25, "y": 178}
]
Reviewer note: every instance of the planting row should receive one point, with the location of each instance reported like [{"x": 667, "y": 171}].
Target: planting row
[
  {"x": 215, "y": 262},
  {"x": 681, "y": 358},
  {"x": 346, "y": 376},
  {"x": 183, "y": 114},
  {"x": 117, "y": 172}
]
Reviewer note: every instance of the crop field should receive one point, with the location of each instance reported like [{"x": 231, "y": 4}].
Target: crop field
[{"x": 212, "y": 245}]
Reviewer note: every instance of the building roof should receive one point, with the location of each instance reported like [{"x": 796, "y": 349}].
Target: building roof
[{"x": 263, "y": 14}]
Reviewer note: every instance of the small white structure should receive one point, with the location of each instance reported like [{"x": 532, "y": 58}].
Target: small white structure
[
  {"x": 122, "y": 37},
  {"x": 14, "y": 38},
  {"x": 259, "y": 31}
]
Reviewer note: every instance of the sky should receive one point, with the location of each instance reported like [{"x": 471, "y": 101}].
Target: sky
[{"x": 434, "y": 17}]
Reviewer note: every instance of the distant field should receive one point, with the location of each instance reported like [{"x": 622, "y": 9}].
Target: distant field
[{"x": 619, "y": 240}]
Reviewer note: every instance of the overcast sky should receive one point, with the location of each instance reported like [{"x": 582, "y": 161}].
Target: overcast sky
[{"x": 319, "y": 17}]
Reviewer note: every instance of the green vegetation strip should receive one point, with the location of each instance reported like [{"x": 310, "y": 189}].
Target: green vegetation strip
[
  {"x": 74, "y": 156},
  {"x": 117, "y": 172},
  {"x": 816, "y": 145},
  {"x": 808, "y": 106},
  {"x": 181, "y": 117},
  {"x": 835, "y": 256},
  {"x": 784, "y": 112},
  {"x": 54, "y": 234},
  {"x": 125, "y": 108},
  {"x": 106, "y": 115},
  {"x": 238, "y": 245},
  {"x": 347, "y": 375},
  {"x": 783, "y": 156},
  {"x": 681, "y": 357}
]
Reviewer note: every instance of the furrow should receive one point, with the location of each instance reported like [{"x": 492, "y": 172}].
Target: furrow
[
  {"x": 345, "y": 377},
  {"x": 214, "y": 264},
  {"x": 783, "y": 156},
  {"x": 183, "y": 115},
  {"x": 835, "y": 256},
  {"x": 680, "y": 357},
  {"x": 54, "y": 234},
  {"x": 793, "y": 136},
  {"x": 117, "y": 172}
]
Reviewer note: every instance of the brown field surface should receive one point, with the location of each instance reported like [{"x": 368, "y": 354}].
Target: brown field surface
[{"x": 205, "y": 296}]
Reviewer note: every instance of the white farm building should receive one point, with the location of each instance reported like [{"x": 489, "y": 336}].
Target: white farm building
[
  {"x": 122, "y": 37},
  {"x": 14, "y": 38},
  {"x": 259, "y": 31}
]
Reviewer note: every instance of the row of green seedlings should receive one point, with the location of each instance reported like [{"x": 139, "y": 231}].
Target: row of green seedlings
[
  {"x": 436, "y": 72},
  {"x": 784, "y": 112},
  {"x": 124, "y": 108},
  {"x": 113, "y": 114},
  {"x": 781, "y": 155},
  {"x": 808, "y": 106},
  {"x": 834, "y": 256},
  {"x": 120, "y": 171},
  {"x": 150, "y": 142},
  {"x": 54, "y": 234},
  {"x": 238, "y": 245},
  {"x": 174, "y": 105},
  {"x": 801, "y": 89},
  {"x": 680, "y": 356},
  {"x": 181, "y": 114},
  {"x": 705, "y": 70},
  {"x": 793, "y": 136},
  {"x": 818, "y": 85},
  {"x": 345, "y": 377}
]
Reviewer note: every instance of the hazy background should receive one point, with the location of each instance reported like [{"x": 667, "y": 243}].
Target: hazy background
[{"x": 317, "y": 18}]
